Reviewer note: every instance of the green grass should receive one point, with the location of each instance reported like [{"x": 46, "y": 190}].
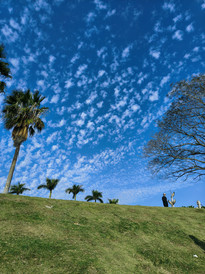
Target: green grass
[{"x": 81, "y": 237}]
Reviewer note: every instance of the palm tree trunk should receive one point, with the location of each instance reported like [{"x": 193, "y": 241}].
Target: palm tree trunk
[
  {"x": 50, "y": 194},
  {"x": 75, "y": 197},
  {"x": 11, "y": 171}
]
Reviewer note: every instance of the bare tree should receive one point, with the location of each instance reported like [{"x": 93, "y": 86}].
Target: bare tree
[{"x": 179, "y": 145}]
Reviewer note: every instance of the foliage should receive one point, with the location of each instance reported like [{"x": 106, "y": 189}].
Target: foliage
[
  {"x": 18, "y": 189},
  {"x": 179, "y": 146},
  {"x": 22, "y": 113},
  {"x": 4, "y": 69},
  {"x": 50, "y": 185},
  {"x": 113, "y": 201},
  {"x": 96, "y": 196},
  {"x": 75, "y": 189},
  {"x": 98, "y": 238}
]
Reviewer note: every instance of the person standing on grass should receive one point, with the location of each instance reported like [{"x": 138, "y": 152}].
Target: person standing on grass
[{"x": 164, "y": 200}]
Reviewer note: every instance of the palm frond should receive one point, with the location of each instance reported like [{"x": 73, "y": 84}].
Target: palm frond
[{"x": 42, "y": 186}]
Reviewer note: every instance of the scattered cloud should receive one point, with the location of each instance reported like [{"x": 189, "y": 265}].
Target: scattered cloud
[{"x": 178, "y": 35}]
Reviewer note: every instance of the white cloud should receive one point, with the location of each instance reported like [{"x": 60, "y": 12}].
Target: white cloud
[
  {"x": 100, "y": 104},
  {"x": 155, "y": 53},
  {"x": 11, "y": 35},
  {"x": 14, "y": 24},
  {"x": 74, "y": 58},
  {"x": 51, "y": 59},
  {"x": 91, "y": 98},
  {"x": 177, "y": 18},
  {"x": 110, "y": 13},
  {"x": 178, "y": 35},
  {"x": 14, "y": 62},
  {"x": 90, "y": 17},
  {"x": 68, "y": 83},
  {"x": 80, "y": 70},
  {"x": 164, "y": 80},
  {"x": 170, "y": 6},
  {"x": 190, "y": 28},
  {"x": 54, "y": 147},
  {"x": 100, "y": 5},
  {"x": 51, "y": 137},
  {"x": 126, "y": 51},
  {"x": 101, "y": 73},
  {"x": 101, "y": 51},
  {"x": 135, "y": 107},
  {"x": 54, "y": 99},
  {"x": 62, "y": 123},
  {"x": 154, "y": 96}
]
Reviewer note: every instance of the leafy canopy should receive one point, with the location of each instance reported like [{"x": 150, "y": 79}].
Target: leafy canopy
[
  {"x": 75, "y": 189},
  {"x": 22, "y": 113},
  {"x": 113, "y": 201},
  {"x": 18, "y": 189},
  {"x": 96, "y": 196},
  {"x": 50, "y": 184},
  {"x": 4, "y": 69}
]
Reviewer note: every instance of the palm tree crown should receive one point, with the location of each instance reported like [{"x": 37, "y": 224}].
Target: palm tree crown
[
  {"x": 22, "y": 113},
  {"x": 4, "y": 69},
  {"x": 96, "y": 195},
  {"x": 18, "y": 189},
  {"x": 75, "y": 189},
  {"x": 113, "y": 201},
  {"x": 50, "y": 185}
]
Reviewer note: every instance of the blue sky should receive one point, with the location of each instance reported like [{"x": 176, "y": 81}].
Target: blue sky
[{"x": 105, "y": 68}]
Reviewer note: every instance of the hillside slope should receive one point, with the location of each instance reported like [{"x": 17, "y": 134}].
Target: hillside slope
[{"x": 81, "y": 237}]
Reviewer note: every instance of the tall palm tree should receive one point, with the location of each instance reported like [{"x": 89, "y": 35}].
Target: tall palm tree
[
  {"x": 96, "y": 195},
  {"x": 4, "y": 69},
  {"x": 18, "y": 189},
  {"x": 22, "y": 113},
  {"x": 113, "y": 201},
  {"x": 50, "y": 185},
  {"x": 75, "y": 189}
]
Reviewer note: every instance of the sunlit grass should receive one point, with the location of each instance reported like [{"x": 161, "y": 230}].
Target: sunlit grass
[{"x": 81, "y": 237}]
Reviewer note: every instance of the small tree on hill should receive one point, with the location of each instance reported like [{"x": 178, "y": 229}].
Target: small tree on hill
[
  {"x": 50, "y": 185},
  {"x": 179, "y": 145},
  {"x": 113, "y": 201},
  {"x": 96, "y": 196},
  {"x": 75, "y": 189},
  {"x": 18, "y": 189}
]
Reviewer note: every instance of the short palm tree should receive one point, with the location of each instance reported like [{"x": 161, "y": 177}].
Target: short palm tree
[
  {"x": 4, "y": 69},
  {"x": 75, "y": 189},
  {"x": 50, "y": 185},
  {"x": 113, "y": 201},
  {"x": 22, "y": 113},
  {"x": 18, "y": 189},
  {"x": 96, "y": 195}
]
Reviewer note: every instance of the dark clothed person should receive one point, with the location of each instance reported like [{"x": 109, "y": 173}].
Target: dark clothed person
[{"x": 164, "y": 200}]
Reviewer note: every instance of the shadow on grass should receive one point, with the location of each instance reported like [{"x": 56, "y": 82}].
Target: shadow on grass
[{"x": 198, "y": 242}]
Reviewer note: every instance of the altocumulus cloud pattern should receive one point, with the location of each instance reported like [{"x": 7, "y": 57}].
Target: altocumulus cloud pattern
[{"x": 105, "y": 68}]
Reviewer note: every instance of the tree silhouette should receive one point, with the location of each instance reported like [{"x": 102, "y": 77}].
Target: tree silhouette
[
  {"x": 22, "y": 113},
  {"x": 96, "y": 196},
  {"x": 50, "y": 185},
  {"x": 18, "y": 189},
  {"x": 75, "y": 189},
  {"x": 4, "y": 69}
]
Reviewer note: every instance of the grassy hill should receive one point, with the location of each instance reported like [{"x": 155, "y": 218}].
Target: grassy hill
[{"x": 81, "y": 237}]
